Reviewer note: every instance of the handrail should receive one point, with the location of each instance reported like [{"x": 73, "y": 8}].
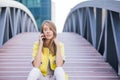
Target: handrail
[
  {"x": 15, "y": 4},
  {"x": 15, "y": 18},
  {"x": 98, "y": 21}
]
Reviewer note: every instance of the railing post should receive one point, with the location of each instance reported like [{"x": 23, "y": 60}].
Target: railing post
[{"x": 119, "y": 69}]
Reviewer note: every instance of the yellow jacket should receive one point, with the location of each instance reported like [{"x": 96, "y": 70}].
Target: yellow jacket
[{"x": 46, "y": 57}]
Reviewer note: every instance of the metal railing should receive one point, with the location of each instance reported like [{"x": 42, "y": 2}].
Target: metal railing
[
  {"x": 99, "y": 22},
  {"x": 15, "y": 18}
]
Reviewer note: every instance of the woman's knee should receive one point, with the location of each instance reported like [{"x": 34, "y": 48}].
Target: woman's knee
[
  {"x": 35, "y": 71},
  {"x": 59, "y": 73},
  {"x": 59, "y": 70},
  {"x": 34, "y": 74}
]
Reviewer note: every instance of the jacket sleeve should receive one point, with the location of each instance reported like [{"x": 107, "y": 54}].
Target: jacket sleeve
[
  {"x": 35, "y": 49},
  {"x": 62, "y": 50}
]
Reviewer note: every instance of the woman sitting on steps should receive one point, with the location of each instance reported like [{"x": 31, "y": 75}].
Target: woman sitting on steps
[{"x": 48, "y": 55}]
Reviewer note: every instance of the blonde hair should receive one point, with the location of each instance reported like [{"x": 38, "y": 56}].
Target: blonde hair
[{"x": 52, "y": 26}]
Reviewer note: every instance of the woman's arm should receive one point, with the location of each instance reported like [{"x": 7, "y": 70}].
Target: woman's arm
[
  {"x": 59, "y": 59},
  {"x": 37, "y": 60}
]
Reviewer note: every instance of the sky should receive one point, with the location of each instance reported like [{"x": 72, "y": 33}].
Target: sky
[{"x": 60, "y": 10}]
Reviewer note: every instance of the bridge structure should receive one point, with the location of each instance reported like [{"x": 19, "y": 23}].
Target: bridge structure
[{"x": 90, "y": 37}]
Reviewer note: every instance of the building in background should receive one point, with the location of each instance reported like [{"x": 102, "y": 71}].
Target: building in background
[
  {"x": 41, "y": 9},
  {"x": 53, "y": 11}
]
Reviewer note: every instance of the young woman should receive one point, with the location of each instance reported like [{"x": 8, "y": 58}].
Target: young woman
[{"x": 48, "y": 55}]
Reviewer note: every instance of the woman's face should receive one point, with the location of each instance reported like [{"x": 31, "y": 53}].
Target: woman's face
[{"x": 48, "y": 33}]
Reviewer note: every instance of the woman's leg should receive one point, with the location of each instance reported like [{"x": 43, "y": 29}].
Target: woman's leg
[
  {"x": 59, "y": 73},
  {"x": 34, "y": 74}
]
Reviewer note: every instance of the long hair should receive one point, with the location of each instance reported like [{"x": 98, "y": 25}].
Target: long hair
[{"x": 52, "y": 26}]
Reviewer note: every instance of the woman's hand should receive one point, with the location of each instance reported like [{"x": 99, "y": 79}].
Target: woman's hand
[
  {"x": 56, "y": 42},
  {"x": 41, "y": 37}
]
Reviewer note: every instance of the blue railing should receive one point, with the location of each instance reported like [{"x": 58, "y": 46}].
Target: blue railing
[
  {"x": 15, "y": 18},
  {"x": 99, "y": 22}
]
